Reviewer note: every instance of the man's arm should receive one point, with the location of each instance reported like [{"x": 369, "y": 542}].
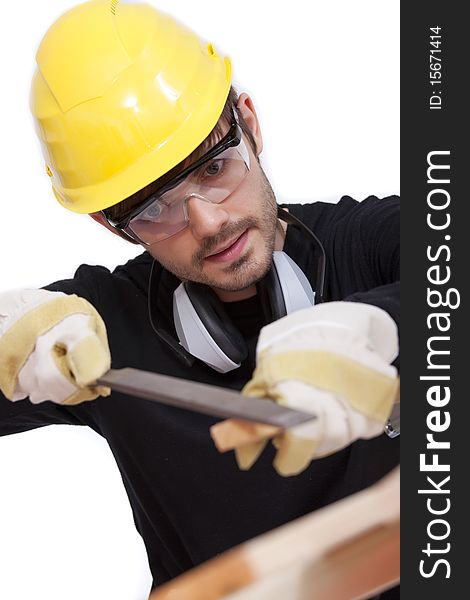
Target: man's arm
[
  {"x": 380, "y": 249},
  {"x": 334, "y": 359},
  {"x": 16, "y": 417}
]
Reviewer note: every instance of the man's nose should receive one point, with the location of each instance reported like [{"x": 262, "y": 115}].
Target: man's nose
[{"x": 206, "y": 219}]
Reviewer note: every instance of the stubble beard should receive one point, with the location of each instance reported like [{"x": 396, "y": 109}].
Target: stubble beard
[{"x": 248, "y": 269}]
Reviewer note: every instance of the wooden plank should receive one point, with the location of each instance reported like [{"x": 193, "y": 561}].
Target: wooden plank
[{"x": 347, "y": 550}]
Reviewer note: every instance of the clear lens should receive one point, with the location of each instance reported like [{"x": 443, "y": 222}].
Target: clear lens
[{"x": 214, "y": 181}]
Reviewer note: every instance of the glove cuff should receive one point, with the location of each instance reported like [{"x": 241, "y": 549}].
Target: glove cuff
[{"x": 368, "y": 391}]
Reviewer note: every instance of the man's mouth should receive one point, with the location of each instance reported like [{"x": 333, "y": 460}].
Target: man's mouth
[{"x": 229, "y": 250}]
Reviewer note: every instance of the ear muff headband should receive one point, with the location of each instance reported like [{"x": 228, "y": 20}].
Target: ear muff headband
[{"x": 271, "y": 296}]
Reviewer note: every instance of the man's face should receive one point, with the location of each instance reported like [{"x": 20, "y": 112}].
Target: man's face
[{"x": 227, "y": 246}]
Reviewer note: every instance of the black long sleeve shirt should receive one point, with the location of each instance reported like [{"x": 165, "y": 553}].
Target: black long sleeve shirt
[{"x": 190, "y": 502}]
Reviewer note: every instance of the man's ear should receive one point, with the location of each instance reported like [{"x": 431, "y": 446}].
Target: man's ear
[
  {"x": 247, "y": 109},
  {"x": 99, "y": 218}
]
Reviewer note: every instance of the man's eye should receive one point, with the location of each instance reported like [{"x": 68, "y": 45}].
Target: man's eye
[
  {"x": 153, "y": 212},
  {"x": 214, "y": 168}
]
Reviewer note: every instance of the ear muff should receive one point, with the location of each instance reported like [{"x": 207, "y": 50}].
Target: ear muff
[
  {"x": 216, "y": 320},
  {"x": 205, "y": 330}
]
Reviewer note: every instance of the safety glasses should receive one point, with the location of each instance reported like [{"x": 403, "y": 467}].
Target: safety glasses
[{"x": 212, "y": 178}]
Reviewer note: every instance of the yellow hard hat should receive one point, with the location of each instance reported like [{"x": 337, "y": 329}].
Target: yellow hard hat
[{"x": 121, "y": 95}]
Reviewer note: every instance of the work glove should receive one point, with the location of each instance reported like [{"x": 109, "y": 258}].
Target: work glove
[
  {"x": 332, "y": 360},
  {"x": 52, "y": 346}
]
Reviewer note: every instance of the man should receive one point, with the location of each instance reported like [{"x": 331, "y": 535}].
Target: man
[{"x": 151, "y": 140}]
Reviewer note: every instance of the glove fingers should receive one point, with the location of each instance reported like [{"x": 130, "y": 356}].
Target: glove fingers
[
  {"x": 298, "y": 446},
  {"x": 61, "y": 363},
  {"x": 248, "y": 454},
  {"x": 342, "y": 426},
  {"x": 294, "y": 453},
  {"x": 88, "y": 360},
  {"x": 83, "y": 344},
  {"x": 41, "y": 375}
]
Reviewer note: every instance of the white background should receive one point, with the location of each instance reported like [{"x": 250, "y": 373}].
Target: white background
[{"x": 325, "y": 80}]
